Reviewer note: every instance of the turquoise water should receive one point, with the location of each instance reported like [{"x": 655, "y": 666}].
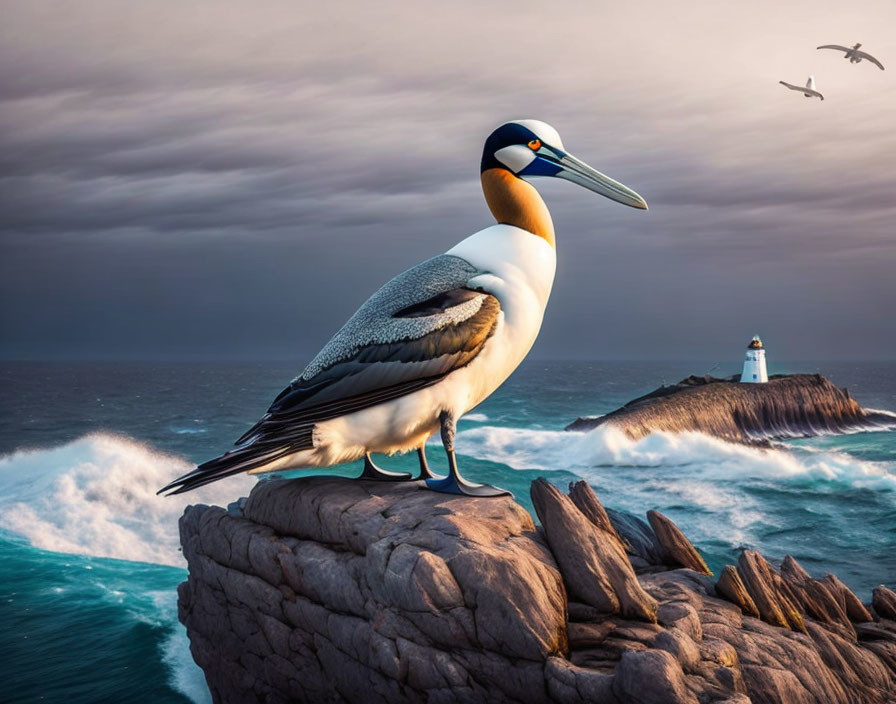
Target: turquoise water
[
  {"x": 80, "y": 628},
  {"x": 90, "y": 555}
]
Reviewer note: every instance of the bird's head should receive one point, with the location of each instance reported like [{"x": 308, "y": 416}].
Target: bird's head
[{"x": 529, "y": 148}]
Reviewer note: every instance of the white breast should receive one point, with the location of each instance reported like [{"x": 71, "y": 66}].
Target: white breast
[{"x": 519, "y": 270}]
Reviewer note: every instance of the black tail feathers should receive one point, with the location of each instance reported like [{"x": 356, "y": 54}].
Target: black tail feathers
[{"x": 230, "y": 463}]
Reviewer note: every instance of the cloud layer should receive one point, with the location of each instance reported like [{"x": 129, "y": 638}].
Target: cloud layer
[{"x": 233, "y": 179}]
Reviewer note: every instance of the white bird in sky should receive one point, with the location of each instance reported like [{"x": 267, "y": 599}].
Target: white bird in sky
[
  {"x": 853, "y": 54},
  {"x": 433, "y": 342},
  {"x": 808, "y": 90}
]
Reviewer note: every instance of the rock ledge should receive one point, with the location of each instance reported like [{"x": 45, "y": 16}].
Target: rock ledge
[{"x": 325, "y": 589}]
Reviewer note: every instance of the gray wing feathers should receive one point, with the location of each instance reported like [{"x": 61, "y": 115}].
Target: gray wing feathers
[
  {"x": 870, "y": 58},
  {"x": 379, "y": 366},
  {"x": 856, "y": 52},
  {"x": 374, "y": 323},
  {"x": 418, "y": 328},
  {"x": 802, "y": 89},
  {"x": 423, "y": 324}
]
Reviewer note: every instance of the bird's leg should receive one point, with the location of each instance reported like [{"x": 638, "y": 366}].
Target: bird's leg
[
  {"x": 454, "y": 483},
  {"x": 425, "y": 471},
  {"x": 371, "y": 471}
]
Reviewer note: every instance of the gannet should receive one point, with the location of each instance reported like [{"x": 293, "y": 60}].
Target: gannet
[
  {"x": 853, "y": 54},
  {"x": 434, "y": 341},
  {"x": 808, "y": 90}
]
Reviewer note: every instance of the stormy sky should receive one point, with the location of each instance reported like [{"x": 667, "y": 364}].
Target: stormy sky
[{"x": 214, "y": 180}]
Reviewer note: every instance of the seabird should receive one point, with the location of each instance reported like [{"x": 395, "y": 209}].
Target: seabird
[
  {"x": 808, "y": 90},
  {"x": 853, "y": 54},
  {"x": 434, "y": 341}
]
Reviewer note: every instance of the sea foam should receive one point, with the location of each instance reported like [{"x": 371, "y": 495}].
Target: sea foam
[
  {"x": 476, "y": 417},
  {"x": 710, "y": 457},
  {"x": 97, "y": 496},
  {"x": 704, "y": 481},
  {"x": 186, "y": 676}
]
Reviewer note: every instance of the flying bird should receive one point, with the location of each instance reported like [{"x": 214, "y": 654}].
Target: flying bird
[
  {"x": 434, "y": 341},
  {"x": 853, "y": 54},
  {"x": 808, "y": 90}
]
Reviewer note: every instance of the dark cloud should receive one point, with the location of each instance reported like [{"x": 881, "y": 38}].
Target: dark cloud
[{"x": 231, "y": 180}]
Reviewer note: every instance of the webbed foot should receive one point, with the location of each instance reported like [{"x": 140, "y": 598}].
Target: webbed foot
[
  {"x": 371, "y": 471},
  {"x": 425, "y": 471},
  {"x": 454, "y": 483}
]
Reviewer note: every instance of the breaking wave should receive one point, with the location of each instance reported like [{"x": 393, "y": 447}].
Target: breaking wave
[
  {"x": 703, "y": 455},
  {"x": 703, "y": 481},
  {"x": 97, "y": 496}
]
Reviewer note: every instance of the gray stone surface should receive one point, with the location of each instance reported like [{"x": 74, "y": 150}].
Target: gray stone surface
[
  {"x": 816, "y": 597},
  {"x": 586, "y": 501},
  {"x": 855, "y": 609},
  {"x": 772, "y": 597},
  {"x": 329, "y": 590},
  {"x": 592, "y": 559},
  {"x": 651, "y": 677},
  {"x": 884, "y": 602},
  {"x": 639, "y": 537},
  {"x": 676, "y": 548},
  {"x": 731, "y": 587}
]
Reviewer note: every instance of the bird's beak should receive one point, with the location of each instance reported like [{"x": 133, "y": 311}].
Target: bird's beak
[{"x": 579, "y": 172}]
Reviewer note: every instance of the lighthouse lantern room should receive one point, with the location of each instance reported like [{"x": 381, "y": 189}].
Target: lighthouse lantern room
[{"x": 754, "y": 364}]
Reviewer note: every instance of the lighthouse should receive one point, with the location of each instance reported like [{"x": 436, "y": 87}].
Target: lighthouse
[{"x": 754, "y": 364}]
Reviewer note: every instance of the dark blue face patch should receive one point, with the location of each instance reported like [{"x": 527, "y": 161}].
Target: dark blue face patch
[
  {"x": 504, "y": 136},
  {"x": 541, "y": 167}
]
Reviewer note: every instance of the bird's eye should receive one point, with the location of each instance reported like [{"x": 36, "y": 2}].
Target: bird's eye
[{"x": 535, "y": 145}]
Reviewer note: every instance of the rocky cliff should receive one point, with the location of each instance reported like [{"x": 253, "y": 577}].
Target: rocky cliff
[
  {"x": 325, "y": 589},
  {"x": 798, "y": 405}
]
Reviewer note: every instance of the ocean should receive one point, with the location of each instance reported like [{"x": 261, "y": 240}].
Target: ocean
[{"x": 90, "y": 557}]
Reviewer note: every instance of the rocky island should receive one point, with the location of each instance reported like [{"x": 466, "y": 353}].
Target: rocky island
[
  {"x": 323, "y": 589},
  {"x": 787, "y": 406}
]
